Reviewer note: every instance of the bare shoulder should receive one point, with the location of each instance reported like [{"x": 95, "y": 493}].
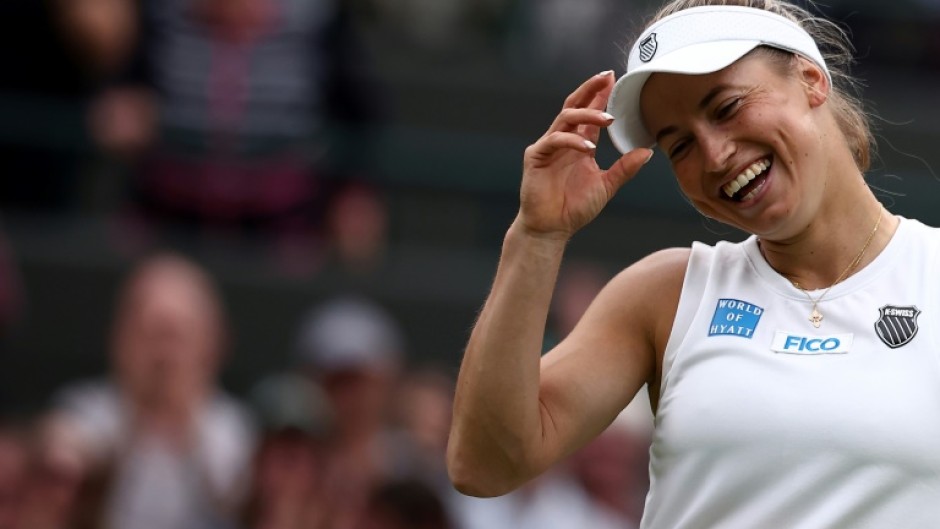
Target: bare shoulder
[
  {"x": 651, "y": 280},
  {"x": 666, "y": 264},
  {"x": 645, "y": 297},
  {"x": 616, "y": 348},
  {"x": 632, "y": 316}
]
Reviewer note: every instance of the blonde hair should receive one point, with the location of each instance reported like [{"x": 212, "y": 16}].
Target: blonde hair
[{"x": 833, "y": 43}]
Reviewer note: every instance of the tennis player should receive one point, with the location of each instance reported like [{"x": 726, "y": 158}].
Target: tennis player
[{"x": 795, "y": 376}]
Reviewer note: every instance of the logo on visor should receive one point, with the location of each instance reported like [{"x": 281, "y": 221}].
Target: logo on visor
[
  {"x": 897, "y": 325},
  {"x": 648, "y": 48}
]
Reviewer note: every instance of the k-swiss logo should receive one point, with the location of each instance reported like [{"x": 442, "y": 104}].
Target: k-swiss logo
[
  {"x": 648, "y": 48},
  {"x": 897, "y": 325}
]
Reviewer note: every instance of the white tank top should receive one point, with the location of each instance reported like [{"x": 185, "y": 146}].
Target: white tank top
[{"x": 767, "y": 422}]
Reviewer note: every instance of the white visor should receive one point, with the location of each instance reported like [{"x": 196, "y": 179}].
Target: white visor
[{"x": 693, "y": 41}]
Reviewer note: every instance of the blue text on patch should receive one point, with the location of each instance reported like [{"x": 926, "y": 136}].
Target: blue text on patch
[{"x": 734, "y": 317}]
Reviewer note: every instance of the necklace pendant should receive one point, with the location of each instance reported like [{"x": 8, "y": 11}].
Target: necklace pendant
[{"x": 816, "y": 317}]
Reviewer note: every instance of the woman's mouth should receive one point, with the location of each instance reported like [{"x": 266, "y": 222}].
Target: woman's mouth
[{"x": 748, "y": 183}]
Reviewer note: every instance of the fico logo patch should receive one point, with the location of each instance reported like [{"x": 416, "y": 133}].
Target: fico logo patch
[
  {"x": 734, "y": 317},
  {"x": 795, "y": 343}
]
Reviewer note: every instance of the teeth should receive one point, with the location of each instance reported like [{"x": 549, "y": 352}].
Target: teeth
[
  {"x": 744, "y": 178},
  {"x": 752, "y": 194}
]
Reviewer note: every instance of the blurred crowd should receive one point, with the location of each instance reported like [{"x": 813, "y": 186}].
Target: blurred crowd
[
  {"x": 241, "y": 119},
  {"x": 350, "y": 434}
]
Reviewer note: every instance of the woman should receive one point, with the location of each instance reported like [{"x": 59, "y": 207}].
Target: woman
[{"x": 792, "y": 383}]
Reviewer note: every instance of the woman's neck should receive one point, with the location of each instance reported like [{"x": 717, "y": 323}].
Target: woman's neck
[{"x": 843, "y": 237}]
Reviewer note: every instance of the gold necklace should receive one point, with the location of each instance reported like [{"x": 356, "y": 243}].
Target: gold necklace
[{"x": 816, "y": 317}]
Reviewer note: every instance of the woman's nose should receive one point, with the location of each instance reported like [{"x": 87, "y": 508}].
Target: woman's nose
[{"x": 717, "y": 152}]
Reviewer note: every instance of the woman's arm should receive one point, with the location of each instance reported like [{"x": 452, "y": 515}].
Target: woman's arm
[{"x": 515, "y": 414}]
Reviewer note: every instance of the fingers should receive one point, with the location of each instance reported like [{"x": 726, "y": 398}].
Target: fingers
[
  {"x": 580, "y": 120},
  {"x": 543, "y": 151},
  {"x": 593, "y": 131},
  {"x": 586, "y": 94},
  {"x": 578, "y": 124},
  {"x": 627, "y": 166},
  {"x": 583, "y": 111}
]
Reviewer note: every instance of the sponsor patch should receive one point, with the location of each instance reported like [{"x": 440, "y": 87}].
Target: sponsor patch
[
  {"x": 799, "y": 344},
  {"x": 896, "y": 325},
  {"x": 734, "y": 317}
]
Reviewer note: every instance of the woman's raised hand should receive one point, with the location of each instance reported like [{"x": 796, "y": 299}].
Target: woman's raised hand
[{"x": 563, "y": 188}]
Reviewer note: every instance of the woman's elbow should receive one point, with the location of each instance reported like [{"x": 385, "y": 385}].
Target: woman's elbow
[
  {"x": 471, "y": 478},
  {"x": 473, "y": 484}
]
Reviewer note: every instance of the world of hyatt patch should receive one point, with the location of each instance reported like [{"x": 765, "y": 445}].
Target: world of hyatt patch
[{"x": 734, "y": 317}]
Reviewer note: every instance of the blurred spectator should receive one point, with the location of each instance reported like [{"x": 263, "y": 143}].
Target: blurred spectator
[
  {"x": 173, "y": 448},
  {"x": 56, "y": 55},
  {"x": 260, "y": 107},
  {"x": 422, "y": 412},
  {"x": 13, "y": 472},
  {"x": 357, "y": 231},
  {"x": 404, "y": 504},
  {"x": 286, "y": 491},
  {"x": 100, "y": 33},
  {"x": 578, "y": 284},
  {"x": 613, "y": 468},
  {"x": 61, "y": 488},
  {"x": 355, "y": 349}
]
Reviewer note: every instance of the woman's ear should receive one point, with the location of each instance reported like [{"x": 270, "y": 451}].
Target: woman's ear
[{"x": 815, "y": 81}]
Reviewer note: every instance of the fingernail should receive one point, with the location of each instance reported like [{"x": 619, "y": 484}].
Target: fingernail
[
  {"x": 605, "y": 72},
  {"x": 590, "y": 144},
  {"x": 607, "y": 116},
  {"x": 648, "y": 158}
]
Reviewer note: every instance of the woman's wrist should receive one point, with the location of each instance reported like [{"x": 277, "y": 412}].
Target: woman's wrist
[{"x": 546, "y": 240}]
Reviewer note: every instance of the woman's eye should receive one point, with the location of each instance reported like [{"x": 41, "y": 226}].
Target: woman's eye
[
  {"x": 678, "y": 148},
  {"x": 727, "y": 109}
]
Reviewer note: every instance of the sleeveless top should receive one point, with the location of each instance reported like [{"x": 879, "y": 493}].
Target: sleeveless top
[{"x": 765, "y": 421}]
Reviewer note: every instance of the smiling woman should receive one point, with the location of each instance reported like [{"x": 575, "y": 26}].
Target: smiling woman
[
  {"x": 719, "y": 122},
  {"x": 776, "y": 366}
]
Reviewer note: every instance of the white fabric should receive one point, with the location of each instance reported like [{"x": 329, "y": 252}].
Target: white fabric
[
  {"x": 748, "y": 437},
  {"x": 698, "y": 40}
]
